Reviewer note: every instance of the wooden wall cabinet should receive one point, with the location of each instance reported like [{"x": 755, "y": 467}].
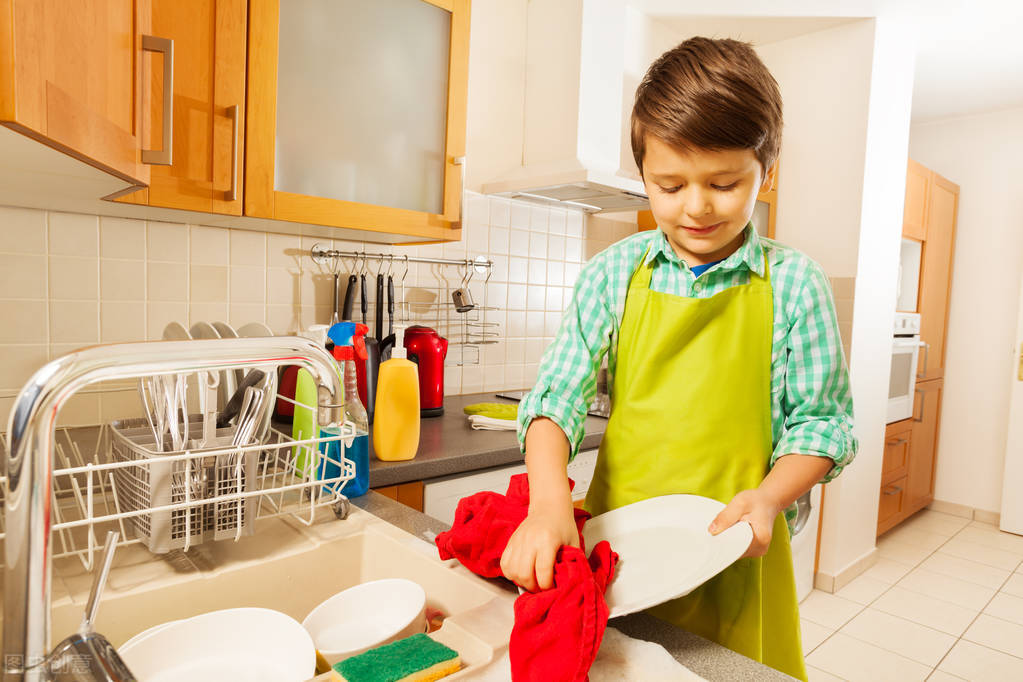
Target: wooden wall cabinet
[
  {"x": 350, "y": 76},
  {"x": 70, "y": 78},
  {"x": 205, "y": 173},
  {"x": 914, "y": 225},
  {"x": 936, "y": 274}
]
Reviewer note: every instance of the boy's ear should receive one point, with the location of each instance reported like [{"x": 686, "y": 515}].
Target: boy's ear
[{"x": 769, "y": 178}]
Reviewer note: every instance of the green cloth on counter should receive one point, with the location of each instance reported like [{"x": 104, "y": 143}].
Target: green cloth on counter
[{"x": 493, "y": 410}]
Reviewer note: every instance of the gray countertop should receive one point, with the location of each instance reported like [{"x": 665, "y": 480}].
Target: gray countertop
[
  {"x": 448, "y": 445},
  {"x": 705, "y": 658}
]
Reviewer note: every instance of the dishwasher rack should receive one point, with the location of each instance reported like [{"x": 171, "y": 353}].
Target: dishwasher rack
[{"x": 120, "y": 483}]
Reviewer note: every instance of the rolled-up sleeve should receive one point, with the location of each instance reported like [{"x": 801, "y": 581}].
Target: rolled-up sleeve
[
  {"x": 566, "y": 381},
  {"x": 817, "y": 401}
]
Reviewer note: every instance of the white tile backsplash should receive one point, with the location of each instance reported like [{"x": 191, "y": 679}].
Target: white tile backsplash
[{"x": 71, "y": 279}]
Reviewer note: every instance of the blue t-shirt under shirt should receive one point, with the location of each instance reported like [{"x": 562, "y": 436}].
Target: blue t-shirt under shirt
[{"x": 700, "y": 269}]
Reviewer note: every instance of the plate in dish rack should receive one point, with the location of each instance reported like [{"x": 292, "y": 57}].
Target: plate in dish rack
[{"x": 664, "y": 548}]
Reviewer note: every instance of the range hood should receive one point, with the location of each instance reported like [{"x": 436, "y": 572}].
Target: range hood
[{"x": 575, "y": 149}]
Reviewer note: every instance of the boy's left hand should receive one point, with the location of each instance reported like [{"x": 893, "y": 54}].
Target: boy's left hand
[{"x": 755, "y": 507}]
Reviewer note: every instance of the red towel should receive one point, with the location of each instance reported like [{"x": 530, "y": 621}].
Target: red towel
[{"x": 557, "y": 632}]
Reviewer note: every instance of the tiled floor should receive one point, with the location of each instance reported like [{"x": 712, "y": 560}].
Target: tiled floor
[{"x": 944, "y": 602}]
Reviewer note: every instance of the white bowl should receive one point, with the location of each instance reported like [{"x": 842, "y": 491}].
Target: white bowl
[
  {"x": 146, "y": 633},
  {"x": 256, "y": 645},
  {"x": 366, "y": 616}
]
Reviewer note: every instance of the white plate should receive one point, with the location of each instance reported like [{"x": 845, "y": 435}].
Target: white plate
[
  {"x": 256, "y": 645},
  {"x": 146, "y": 633},
  {"x": 175, "y": 331},
  {"x": 254, "y": 329},
  {"x": 203, "y": 330},
  {"x": 664, "y": 548}
]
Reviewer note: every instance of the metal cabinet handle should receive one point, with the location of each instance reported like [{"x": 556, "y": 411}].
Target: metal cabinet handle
[
  {"x": 923, "y": 399},
  {"x": 460, "y": 161},
  {"x": 232, "y": 194},
  {"x": 894, "y": 491},
  {"x": 927, "y": 351},
  {"x": 898, "y": 441},
  {"x": 165, "y": 156}
]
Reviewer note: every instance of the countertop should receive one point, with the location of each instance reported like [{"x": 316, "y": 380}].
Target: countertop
[
  {"x": 705, "y": 658},
  {"x": 448, "y": 445}
]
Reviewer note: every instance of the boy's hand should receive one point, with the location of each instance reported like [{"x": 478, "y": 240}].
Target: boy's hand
[
  {"x": 755, "y": 507},
  {"x": 528, "y": 559}
]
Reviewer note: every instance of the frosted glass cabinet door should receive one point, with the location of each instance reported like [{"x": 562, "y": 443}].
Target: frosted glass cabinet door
[{"x": 368, "y": 125}]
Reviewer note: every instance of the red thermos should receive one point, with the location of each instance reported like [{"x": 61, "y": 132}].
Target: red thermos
[{"x": 428, "y": 349}]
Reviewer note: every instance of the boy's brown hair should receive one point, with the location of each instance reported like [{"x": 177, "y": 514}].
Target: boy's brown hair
[{"x": 709, "y": 94}]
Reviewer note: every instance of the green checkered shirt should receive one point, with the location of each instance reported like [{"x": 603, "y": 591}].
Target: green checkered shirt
[{"x": 811, "y": 404}]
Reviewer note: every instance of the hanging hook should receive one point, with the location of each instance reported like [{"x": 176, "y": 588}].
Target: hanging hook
[
  {"x": 405, "y": 274},
  {"x": 390, "y": 265}
]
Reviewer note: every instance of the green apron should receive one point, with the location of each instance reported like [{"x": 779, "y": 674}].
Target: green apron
[{"x": 692, "y": 414}]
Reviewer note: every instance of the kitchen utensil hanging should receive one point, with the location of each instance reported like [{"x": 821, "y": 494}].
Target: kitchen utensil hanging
[{"x": 449, "y": 298}]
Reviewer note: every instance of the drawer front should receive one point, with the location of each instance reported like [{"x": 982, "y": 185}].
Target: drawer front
[
  {"x": 891, "y": 504},
  {"x": 896, "y": 455}
]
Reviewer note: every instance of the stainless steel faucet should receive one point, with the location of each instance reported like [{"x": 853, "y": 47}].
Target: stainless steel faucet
[{"x": 28, "y": 464}]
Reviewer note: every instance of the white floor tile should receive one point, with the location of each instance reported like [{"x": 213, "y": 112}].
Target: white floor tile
[
  {"x": 925, "y": 610},
  {"x": 916, "y": 537},
  {"x": 818, "y": 675},
  {"x": 942, "y": 676},
  {"x": 813, "y": 634},
  {"x": 936, "y": 522},
  {"x": 996, "y": 633},
  {"x": 964, "y": 569},
  {"x": 992, "y": 537},
  {"x": 863, "y": 590},
  {"x": 856, "y": 660},
  {"x": 966, "y": 549},
  {"x": 1014, "y": 585},
  {"x": 898, "y": 635},
  {"x": 828, "y": 610},
  {"x": 947, "y": 588},
  {"x": 975, "y": 662},
  {"x": 887, "y": 571},
  {"x": 902, "y": 552},
  {"x": 1007, "y": 607}
]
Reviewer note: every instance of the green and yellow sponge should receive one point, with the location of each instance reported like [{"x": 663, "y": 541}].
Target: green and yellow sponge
[{"x": 414, "y": 659}]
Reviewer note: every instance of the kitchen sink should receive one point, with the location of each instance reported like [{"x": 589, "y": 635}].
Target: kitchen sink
[{"x": 291, "y": 568}]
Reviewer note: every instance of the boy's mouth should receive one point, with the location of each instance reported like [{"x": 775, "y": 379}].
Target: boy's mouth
[{"x": 702, "y": 230}]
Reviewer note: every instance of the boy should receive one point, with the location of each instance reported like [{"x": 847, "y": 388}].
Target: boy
[{"x": 727, "y": 374}]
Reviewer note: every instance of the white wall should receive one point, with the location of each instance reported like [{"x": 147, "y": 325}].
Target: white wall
[
  {"x": 980, "y": 154},
  {"x": 825, "y": 83}
]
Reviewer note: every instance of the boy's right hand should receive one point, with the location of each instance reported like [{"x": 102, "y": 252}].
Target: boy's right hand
[{"x": 528, "y": 559}]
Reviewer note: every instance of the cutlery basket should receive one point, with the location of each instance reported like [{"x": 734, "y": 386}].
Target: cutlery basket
[{"x": 181, "y": 508}]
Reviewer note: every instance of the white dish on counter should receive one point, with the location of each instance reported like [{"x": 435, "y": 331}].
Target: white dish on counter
[
  {"x": 665, "y": 550},
  {"x": 256, "y": 645},
  {"x": 366, "y": 616}
]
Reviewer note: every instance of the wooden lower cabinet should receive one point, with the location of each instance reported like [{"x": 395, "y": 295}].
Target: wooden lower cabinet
[
  {"x": 409, "y": 494},
  {"x": 911, "y": 447}
]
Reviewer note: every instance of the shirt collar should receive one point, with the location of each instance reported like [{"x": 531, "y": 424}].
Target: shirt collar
[{"x": 749, "y": 255}]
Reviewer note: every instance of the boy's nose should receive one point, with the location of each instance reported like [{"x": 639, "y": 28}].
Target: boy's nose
[{"x": 695, "y": 202}]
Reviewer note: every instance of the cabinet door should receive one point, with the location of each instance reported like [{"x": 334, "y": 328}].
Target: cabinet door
[
  {"x": 69, "y": 78},
  {"x": 915, "y": 213},
  {"x": 357, "y": 113},
  {"x": 923, "y": 448},
  {"x": 936, "y": 275},
  {"x": 208, "y": 106}
]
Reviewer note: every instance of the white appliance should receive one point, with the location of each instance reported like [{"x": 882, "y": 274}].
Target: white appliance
[
  {"x": 903, "y": 375},
  {"x": 575, "y": 147},
  {"x": 804, "y": 543},
  {"x": 441, "y": 495}
]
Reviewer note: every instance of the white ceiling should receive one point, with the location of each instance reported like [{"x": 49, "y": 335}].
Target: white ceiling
[{"x": 969, "y": 53}]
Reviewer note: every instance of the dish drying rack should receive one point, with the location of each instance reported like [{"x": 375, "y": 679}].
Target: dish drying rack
[
  {"x": 427, "y": 300},
  {"x": 150, "y": 496}
]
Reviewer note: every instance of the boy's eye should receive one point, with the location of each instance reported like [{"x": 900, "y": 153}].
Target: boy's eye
[
  {"x": 671, "y": 190},
  {"x": 725, "y": 188}
]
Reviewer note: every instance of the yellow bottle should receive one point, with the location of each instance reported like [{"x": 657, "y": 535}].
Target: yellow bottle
[{"x": 396, "y": 415}]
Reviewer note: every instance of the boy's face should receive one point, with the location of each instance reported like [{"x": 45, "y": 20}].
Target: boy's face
[{"x": 702, "y": 199}]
